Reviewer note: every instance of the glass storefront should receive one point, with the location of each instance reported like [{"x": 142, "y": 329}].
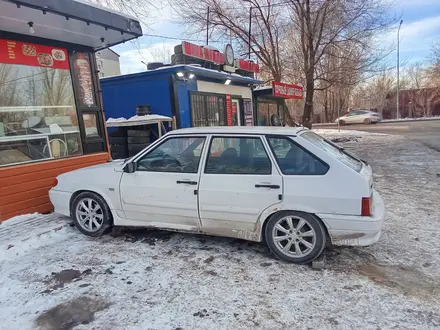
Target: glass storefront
[
  {"x": 48, "y": 107},
  {"x": 267, "y": 108},
  {"x": 38, "y": 117}
]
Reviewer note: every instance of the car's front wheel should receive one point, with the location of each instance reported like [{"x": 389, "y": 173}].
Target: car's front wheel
[
  {"x": 295, "y": 237},
  {"x": 91, "y": 214},
  {"x": 342, "y": 122}
]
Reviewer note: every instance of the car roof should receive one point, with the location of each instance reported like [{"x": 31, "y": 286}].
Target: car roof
[{"x": 240, "y": 130}]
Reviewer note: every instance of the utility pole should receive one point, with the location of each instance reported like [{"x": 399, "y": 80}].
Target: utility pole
[
  {"x": 398, "y": 70},
  {"x": 207, "y": 27},
  {"x": 250, "y": 29}
]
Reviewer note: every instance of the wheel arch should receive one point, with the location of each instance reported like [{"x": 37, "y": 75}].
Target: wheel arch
[
  {"x": 78, "y": 192},
  {"x": 262, "y": 228}
]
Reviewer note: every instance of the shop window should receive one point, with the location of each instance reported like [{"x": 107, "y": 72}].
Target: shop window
[
  {"x": 91, "y": 124},
  {"x": 38, "y": 117},
  {"x": 265, "y": 112},
  {"x": 208, "y": 109}
]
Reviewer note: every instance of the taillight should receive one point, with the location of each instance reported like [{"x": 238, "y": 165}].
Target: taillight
[
  {"x": 375, "y": 115},
  {"x": 366, "y": 206}
]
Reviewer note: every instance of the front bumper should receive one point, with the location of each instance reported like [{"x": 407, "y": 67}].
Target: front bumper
[
  {"x": 356, "y": 230},
  {"x": 60, "y": 201}
]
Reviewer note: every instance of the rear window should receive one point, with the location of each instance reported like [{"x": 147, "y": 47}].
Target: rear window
[{"x": 333, "y": 150}]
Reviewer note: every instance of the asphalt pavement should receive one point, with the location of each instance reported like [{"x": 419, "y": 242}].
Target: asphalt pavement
[{"x": 426, "y": 132}]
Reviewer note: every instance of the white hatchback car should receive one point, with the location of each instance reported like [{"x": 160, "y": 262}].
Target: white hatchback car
[{"x": 288, "y": 187}]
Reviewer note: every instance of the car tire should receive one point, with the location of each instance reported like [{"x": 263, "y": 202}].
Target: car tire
[
  {"x": 367, "y": 121},
  {"x": 306, "y": 242},
  {"x": 95, "y": 223},
  {"x": 342, "y": 122}
]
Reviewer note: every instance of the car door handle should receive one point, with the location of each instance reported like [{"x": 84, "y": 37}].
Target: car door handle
[
  {"x": 270, "y": 186},
  {"x": 192, "y": 183}
]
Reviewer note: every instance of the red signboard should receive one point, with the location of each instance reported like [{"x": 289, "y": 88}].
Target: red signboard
[
  {"x": 228, "y": 109},
  {"x": 247, "y": 65},
  {"x": 287, "y": 91},
  {"x": 202, "y": 53},
  {"x": 214, "y": 56},
  {"x": 16, "y": 52}
]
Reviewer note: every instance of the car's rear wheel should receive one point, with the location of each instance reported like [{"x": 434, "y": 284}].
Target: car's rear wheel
[
  {"x": 91, "y": 214},
  {"x": 342, "y": 122},
  {"x": 367, "y": 121},
  {"x": 295, "y": 237}
]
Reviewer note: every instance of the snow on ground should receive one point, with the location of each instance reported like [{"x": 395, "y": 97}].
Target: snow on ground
[
  {"x": 334, "y": 132},
  {"x": 137, "y": 118},
  {"x": 55, "y": 277},
  {"x": 411, "y": 119}
]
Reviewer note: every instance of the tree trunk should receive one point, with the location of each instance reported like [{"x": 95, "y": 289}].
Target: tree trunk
[
  {"x": 327, "y": 119},
  {"x": 308, "y": 105}
]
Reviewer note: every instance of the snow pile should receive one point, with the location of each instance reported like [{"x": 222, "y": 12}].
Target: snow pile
[
  {"x": 336, "y": 132},
  {"x": 411, "y": 119},
  {"x": 138, "y": 118}
]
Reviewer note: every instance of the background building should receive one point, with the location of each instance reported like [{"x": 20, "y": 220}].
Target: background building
[{"x": 108, "y": 64}]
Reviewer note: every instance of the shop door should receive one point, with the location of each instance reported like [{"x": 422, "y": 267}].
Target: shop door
[{"x": 235, "y": 109}]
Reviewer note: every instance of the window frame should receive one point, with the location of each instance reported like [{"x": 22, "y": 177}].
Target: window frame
[
  {"x": 208, "y": 150},
  {"x": 290, "y": 138},
  {"x": 89, "y": 145},
  {"x": 161, "y": 142}
]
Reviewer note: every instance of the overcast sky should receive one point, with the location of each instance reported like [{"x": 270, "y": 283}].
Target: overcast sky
[{"x": 420, "y": 30}]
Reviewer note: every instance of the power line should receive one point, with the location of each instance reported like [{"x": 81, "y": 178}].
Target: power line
[{"x": 180, "y": 39}]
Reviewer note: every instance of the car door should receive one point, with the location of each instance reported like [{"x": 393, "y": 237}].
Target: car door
[
  {"x": 238, "y": 183},
  {"x": 351, "y": 117},
  {"x": 360, "y": 117},
  {"x": 305, "y": 186},
  {"x": 162, "y": 191}
]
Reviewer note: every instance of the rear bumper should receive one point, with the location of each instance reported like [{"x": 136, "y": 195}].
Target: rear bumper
[
  {"x": 60, "y": 201},
  {"x": 356, "y": 230}
]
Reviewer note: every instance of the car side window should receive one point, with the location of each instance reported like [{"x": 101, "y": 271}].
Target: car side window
[
  {"x": 237, "y": 155},
  {"x": 179, "y": 155},
  {"x": 295, "y": 160}
]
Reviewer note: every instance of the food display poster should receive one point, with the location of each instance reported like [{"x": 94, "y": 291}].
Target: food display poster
[
  {"x": 25, "y": 53},
  {"x": 248, "y": 113},
  {"x": 228, "y": 110},
  {"x": 83, "y": 77}
]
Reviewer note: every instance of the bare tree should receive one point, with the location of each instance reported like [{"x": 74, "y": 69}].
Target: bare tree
[
  {"x": 297, "y": 33},
  {"x": 226, "y": 19},
  {"x": 143, "y": 10},
  {"x": 342, "y": 29},
  {"x": 8, "y": 85},
  {"x": 160, "y": 53}
]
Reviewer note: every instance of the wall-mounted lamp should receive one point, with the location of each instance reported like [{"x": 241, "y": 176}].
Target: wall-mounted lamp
[
  {"x": 180, "y": 74},
  {"x": 191, "y": 76},
  {"x": 228, "y": 81},
  {"x": 31, "y": 27},
  {"x": 103, "y": 42}
]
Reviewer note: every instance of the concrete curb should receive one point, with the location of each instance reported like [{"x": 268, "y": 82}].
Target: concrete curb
[{"x": 383, "y": 121}]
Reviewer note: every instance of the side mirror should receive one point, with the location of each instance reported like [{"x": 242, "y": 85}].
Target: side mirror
[{"x": 130, "y": 167}]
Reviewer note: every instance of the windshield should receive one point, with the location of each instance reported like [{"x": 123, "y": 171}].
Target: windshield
[{"x": 339, "y": 153}]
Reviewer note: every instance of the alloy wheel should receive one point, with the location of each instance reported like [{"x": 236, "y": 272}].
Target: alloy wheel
[
  {"x": 294, "y": 236},
  {"x": 89, "y": 215}
]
